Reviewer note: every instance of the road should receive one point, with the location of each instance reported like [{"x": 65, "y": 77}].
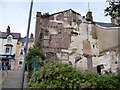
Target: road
[
  {"x": 3, "y": 75},
  {"x": 13, "y": 79}
]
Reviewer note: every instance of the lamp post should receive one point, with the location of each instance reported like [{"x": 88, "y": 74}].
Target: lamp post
[{"x": 27, "y": 39}]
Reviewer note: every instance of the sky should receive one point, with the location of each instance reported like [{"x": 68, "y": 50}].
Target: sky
[{"x": 15, "y": 13}]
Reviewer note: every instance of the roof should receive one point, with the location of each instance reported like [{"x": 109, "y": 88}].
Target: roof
[
  {"x": 106, "y": 24},
  {"x": 66, "y": 11},
  {"x": 15, "y": 35},
  {"x": 24, "y": 40}
]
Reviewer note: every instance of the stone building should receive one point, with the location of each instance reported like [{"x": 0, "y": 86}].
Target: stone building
[{"x": 69, "y": 37}]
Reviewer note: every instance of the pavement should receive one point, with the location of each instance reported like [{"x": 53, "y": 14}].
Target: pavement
[{"x": 13, "y": 79}]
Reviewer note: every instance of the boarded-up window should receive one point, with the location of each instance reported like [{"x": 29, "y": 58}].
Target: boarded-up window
[{"x": 86, "y": 47}]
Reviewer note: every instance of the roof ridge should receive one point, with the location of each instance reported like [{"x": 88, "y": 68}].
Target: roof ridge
[
  {"x": 65, "y": 11},
  {"x": 104, "y": 24}
]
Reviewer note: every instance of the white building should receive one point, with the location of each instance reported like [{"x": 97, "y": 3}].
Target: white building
[{"x": 8, "y": 42}]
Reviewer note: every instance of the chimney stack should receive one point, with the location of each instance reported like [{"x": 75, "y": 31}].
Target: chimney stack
[
  {"x": 8, "y": 30},
  {"x": 115, "y": 21},
  {"x": 38, "y": 14},
  {"x": 31, "y": 36},
  {"x": 89, "y": 16}
]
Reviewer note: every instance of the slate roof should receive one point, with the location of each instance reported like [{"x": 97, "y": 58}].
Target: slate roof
[
  {"x": 15, "y": 35},
  {"x": 24, "y": 40},
  {"x": 106, "y": 24}
]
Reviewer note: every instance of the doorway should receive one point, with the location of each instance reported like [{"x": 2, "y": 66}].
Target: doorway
[
  {"x": 5, "y": 64},
  {"x": 99, "y": 69}
]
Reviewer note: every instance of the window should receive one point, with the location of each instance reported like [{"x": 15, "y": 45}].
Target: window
[
  {"x": 9, "y": 39},
  {"x": 20, "y": 61},
  {"x": 7, "y": 50},
  {"x": 22, "y": 44},
  {"x": 21, "y": 51}
]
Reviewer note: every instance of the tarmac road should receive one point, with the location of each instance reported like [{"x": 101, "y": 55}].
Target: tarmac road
[
  {"x": 3, "y": 75},
  {"x": 13, "y": 79}
]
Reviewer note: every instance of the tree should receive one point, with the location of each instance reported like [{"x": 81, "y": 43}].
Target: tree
[
  {"x": 113, "y": 10},
  {"x": 34, "y": 54}
]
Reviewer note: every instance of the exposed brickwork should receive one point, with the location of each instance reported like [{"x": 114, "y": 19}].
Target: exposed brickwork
[
  {"x": 69, "y": 37},
  {"x": 54, "y": 35}
]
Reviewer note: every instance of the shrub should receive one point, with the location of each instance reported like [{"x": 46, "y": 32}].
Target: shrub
[{"x": 59, "y": 75}]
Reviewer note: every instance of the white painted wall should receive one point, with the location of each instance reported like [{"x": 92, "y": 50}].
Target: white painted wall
[
  {"x": 3, "y": 48},
  {"x": 4, "y": 42}
]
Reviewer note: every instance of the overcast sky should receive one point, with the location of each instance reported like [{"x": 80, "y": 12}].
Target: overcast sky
[{"x": 15, "y": 12}]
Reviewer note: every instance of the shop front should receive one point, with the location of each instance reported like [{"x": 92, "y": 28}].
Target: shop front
[{"x": 7, "y": 61}]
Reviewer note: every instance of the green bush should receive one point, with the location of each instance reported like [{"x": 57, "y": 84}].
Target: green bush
[
  {"x": 58, "y": 75},
  {"x": 33, "y": 54}
]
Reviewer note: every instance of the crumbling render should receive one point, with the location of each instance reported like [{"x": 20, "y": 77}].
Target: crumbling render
[{"x": 69, "y": 37}]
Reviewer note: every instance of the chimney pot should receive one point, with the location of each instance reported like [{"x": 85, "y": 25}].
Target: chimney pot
[
  {"x": 8, "y": 30},
  {"x": 31, "y": 36},
  {"x": 38, "y": 14}
]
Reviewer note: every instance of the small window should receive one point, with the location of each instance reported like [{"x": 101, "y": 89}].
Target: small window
[
  {"x": 20, "y": 62},
  {"x": 9, "y": 39},
  {"x": 21, "y": 51},
  {"x": 22, "y": 44}
]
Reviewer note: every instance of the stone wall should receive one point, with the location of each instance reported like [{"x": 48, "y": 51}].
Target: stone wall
[{"x": 71, "y": 38}]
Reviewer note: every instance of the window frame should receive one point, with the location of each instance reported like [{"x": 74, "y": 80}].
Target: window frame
[
  {"x": 9, "y": 51},
  {"x": 20, "y": 60},
  {"x": 20, "y": 51},
  {"x": 9, "y": 39},
  {"x": 22, "y": 43}
]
